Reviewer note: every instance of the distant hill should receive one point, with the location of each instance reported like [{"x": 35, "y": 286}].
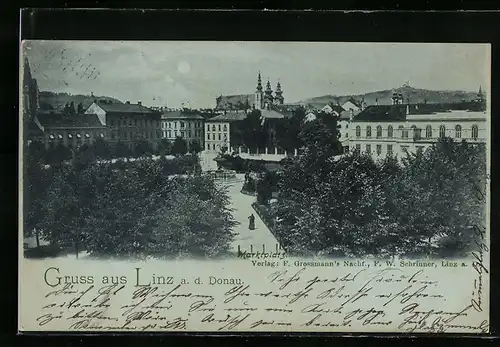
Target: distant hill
[
  {"x": 384, "y": 97},
  {"x": 56, "y": 101}
]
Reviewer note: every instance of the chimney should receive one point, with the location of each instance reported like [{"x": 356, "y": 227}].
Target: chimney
[
  {"x": 407, "y": 109},
  {"x": 351, "y": 111},
  {"x": 139, "y": 103},
  {"x": 376, "y": 101}
]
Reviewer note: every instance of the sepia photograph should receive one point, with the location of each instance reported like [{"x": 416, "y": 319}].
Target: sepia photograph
[{"x": 341, "y": 155}]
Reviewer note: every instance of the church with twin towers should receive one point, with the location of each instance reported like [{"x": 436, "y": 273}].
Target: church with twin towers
[{"x": 261, "y": 99}]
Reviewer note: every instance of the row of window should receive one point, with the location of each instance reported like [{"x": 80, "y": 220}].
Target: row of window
[
  {"x": 134, "y": 122},
  {"x": 131, "y": 135},
  {"x": 214, "y": 128},
  {"x": 219, "y": 136},
  {"x": 55, "y": 137},
  {"x": 168, "y": 133},
  {"x": 378, "y": 148},
  {"x": 368, "y": 149},
  {"x": 213, "y": 146},
  {"x": 417, "y": 131},
  {"x": 182, "y": 125}
]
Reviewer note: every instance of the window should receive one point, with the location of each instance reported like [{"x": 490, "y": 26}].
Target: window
[
  {"x": 164, "y": 133},
  {"x": 169, "y": 133},
  {"x": 416, "y": 133},
  {"x": 379, "y": 149},
  {"x": 458, "y": 131},
  {"x": 182, "y": 134},
  {"x": 390, "y": 131},
  {"x": 368, "y": 149},
  {"x": 389, "y": 149},
  {"x": 182, "y": 125},
  {"x": 213, "y": 127},
  {"x": 358, "y": 131},
  {"x": 379, "y": 131},
  {"x": 368, "y": 131},
  {"x": 208, "y": 136},
  {"x": 442, "y": 131},
  {"x": 219, "y": 127},
  {"x": 219, "y": 136},
  {"x": 175, "y": 133},
  {"x": 189, "y": 125},
  {"x": 225, "y": 127},
  {"x": 70, "y": 136},
  {"x": 404, "y": 132},
  {"x": 346, "y": 135},
  {"x": 428, "y": 131},
  {"x": 475, "y": 132},
  {"x": 213, "y": 136},
  {"x": 170, "y": 125},
  {"x": 208, "y": 127},
  {"x": 189, "y": 132},
  {"x": 358, "y": 147},
  {"x": 175, "y": 125}
]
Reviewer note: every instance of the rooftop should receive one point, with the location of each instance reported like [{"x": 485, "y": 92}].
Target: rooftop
[
  {"x": 59, "y": 120},
  {"x": 127, "y": 107},
  {"x": 378, "y": 113},
  {"x": 228, "y": 117},
  {"x": 179, "y": 114}
]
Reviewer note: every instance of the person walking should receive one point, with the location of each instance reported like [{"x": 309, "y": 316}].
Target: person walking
[{"x": 251, "y": 222}]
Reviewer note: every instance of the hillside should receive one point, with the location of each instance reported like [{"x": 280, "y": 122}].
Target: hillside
[
  {"x": 415, "y": 95},
  {"x": 50, "y": 100}
]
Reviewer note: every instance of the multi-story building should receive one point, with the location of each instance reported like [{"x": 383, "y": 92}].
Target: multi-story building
[
  {"x": 400, "y": 128},
  {"x": 218, "y": 130},
  {"x": 128, "y": 123},
  {"x": 184, "y": 124},
  {"x": 71, "y": 131}
]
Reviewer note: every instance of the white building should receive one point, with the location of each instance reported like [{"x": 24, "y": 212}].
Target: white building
[
  {"x": 218, "y": 130},
  {"x": 184, "y": 124},
  {"x": 398, "y": 129}
]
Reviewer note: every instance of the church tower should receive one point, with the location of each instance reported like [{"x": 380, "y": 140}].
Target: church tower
[
  {"x": 278, "y": 98},
  {"x": 258, "y": 94},
  {"x": 268, "y": 97}
]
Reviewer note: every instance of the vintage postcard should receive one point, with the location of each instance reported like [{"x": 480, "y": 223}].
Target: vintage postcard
[{"x": 205, "y": 186}]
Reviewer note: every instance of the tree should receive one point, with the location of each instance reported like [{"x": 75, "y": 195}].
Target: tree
[
  {"x": 195, "y": 146},
  {"x": 142, "y": 148},
  {"x": 288, "y": 130},
  {"x": 179, "y": 147},
  {"x": 67, "y": 207},
  {"x": 102, "y": 149},
  {"x": 252, "y": 131},
  {"x": 264, "y": 188},
  {"x": 35, "y": 182},
  {"x": 121, "y": 150},
  {"x": 80, "y": 109},
  {"x": 57, "y": 155},
  {"x": 164, "y": 147}
]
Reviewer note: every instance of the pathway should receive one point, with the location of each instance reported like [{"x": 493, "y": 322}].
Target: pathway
[{"x": 246, "y": 239}]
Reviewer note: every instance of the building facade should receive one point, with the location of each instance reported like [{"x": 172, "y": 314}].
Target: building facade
[
  {"x": 71, "y": 131},
  {"x": 128, "y": 123},
  {"x": 218, "y": 130},
  {"x": 183, "y": 124},
  {"x": 399, "y": 129}
]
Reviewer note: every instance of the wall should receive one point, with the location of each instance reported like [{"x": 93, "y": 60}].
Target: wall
[
  {"x": 400, "y": 145},
  {"x": 217, "y": 135}
]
